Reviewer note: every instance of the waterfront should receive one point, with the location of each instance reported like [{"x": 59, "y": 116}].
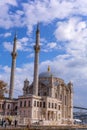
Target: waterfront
[{"x": 46, "y": 128}]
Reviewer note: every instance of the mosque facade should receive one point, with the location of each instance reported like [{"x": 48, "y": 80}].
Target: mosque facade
[
  {"x": 52, "y": 105},
  {"x": 47, "y": 100}
]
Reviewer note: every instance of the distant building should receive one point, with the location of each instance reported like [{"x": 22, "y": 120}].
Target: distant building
[{"x": 48, "y": 100}]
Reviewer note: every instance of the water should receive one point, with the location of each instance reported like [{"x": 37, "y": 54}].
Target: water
[{"x": 68, "y": 129}]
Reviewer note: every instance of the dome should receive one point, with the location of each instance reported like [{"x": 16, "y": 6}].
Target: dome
[{"x": 46, "y": 74}]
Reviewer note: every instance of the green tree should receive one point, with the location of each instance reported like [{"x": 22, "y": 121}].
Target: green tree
[{"x": 3, "y": 88}]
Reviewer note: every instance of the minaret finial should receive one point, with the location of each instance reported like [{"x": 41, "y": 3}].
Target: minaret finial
[
  {"x": 15, "y": 35},
  {"x": 38, "y": 27}
]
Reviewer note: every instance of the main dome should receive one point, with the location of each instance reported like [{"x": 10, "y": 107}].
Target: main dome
[{"x": 45, "y": 74}]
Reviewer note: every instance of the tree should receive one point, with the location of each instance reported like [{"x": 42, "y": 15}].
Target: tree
[{"x": 3, "y": 88}]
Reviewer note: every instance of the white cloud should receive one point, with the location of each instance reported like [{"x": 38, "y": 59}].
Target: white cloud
[
  {"x": 52, "y": 10},
  {"x": 5, "y": 21},
  {"x": 24, "y": 40},
  {"x": 6, "y": 69},
  {"x": 68, "y": 30},
  {"x": 31, "y": 55},
  {"x": 74, "y": 31},
  {"x": 48, "y": 47},
  {"x": 10, "y": 2},
  {"x": 20, "y": 75},
  {"x": 8, "y": 46},
  {"x": 7, "y": 34},
  {"x": 52, "y": 45},
  {"x": 8, "y": 19},
  {"x": 22, "y": 45},
  {"x": 34, "y": 11}
]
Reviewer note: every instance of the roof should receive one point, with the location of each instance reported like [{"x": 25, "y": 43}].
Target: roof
[{"x": 46, "y": 74}]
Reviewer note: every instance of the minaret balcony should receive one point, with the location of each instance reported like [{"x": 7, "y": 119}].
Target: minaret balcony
[
  {"x": 37, "y": 48},
  {"x": 14, "y": 54}
]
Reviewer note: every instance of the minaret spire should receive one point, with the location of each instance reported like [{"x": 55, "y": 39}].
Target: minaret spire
[
  {"x": 13, "y": 66},
  {"x": 36, "y": 61}
]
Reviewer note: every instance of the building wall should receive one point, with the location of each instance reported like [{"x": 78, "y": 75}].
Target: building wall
[{"x": 53, "y": 106}]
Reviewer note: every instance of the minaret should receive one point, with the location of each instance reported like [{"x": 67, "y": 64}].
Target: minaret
[
  {"x": 36, "y": 62},
  {"x": 13, "y": 54}
]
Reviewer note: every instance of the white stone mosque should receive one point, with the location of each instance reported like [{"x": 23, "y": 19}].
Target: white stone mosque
[{"x": 48, "y": 100}]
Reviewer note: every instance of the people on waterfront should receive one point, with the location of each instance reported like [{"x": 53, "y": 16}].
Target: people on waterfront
[
  {"x": 29, "y": 123},
  {"x": 15, "y": 123},
  {"x": 5, "y": 123},
  {"x": 10, "y": 121},
  {"x": 2, "y": 122}
]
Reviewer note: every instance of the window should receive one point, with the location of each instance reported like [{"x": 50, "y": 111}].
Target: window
[
  {"x": 37, "y": 103},
  {"x": 3, "y": 106},
  {"x": 24, "y": 103},
  {"x": 55, "y": 106},
  {"x": 20, "y": 103},
  {"x": 59, "y": 107},
  {"x": 49, "y": 104},
  {"x": 52, "y": 105},
  {"x": 40, "y": 104},
  {"x": 44, "y": 105},
  {"x": 8, "y": 106},
  {"x": 65, "y": 100},
  {"x": 16, "y": 107},
  {"x": 29, "y": 103}
]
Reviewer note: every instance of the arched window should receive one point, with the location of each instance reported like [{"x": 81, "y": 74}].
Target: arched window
[
  {"x": 8, "y": 106},
  {"x": 52, "y": 105},
  {"x": 40, "y": 104},
  {"x": 65, "y": 100},
  {"x": 48, "y": 104},
  {"x": 20, "y": 103},
  {"x": 44, "y": 104},
  {"x": 29, "y": 103},
  {"x": 37, "y": 103}
]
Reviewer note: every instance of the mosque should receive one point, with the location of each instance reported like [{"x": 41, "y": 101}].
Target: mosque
[{"x": 48, "y": 100}]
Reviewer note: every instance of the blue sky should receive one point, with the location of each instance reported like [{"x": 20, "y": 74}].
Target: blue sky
[{"x": 63, "y": 40}]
